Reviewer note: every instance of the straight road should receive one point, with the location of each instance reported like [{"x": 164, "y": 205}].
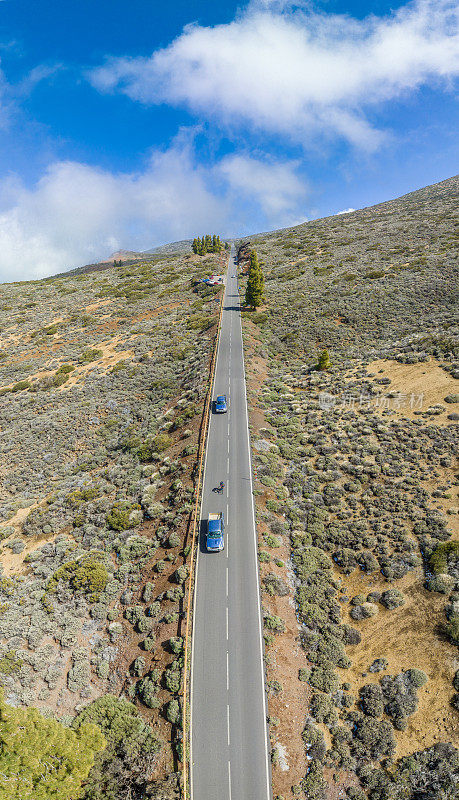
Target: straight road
[{"x": 229, "y": 737}]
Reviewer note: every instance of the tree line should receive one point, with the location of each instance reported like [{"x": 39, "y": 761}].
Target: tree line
[
  {"x": 255, "y": 283},
  {"x": 208, "y": 244}
]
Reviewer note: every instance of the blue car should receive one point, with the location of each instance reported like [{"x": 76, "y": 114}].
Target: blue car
[
  {"x": 220, "y": 404},
  {"x": 215, "y": 530}
]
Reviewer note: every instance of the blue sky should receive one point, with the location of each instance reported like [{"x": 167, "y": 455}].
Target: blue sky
[{"x": 129, "y": 124}]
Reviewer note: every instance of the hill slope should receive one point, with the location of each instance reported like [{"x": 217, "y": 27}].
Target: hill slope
[
  {"x": 357, "y": 492},
  {"x": 102, "y": 381}
]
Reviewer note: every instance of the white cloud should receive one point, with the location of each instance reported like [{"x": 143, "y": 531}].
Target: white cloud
[
  {"x": 295, "y": 72},
  {"x": 345, "y": 211},
  {"x": 274, "y": 186},
  {"x": 78, "y": 214}
]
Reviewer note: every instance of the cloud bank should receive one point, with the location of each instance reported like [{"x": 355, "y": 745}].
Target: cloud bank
[
  {"x": 78, "y": 214},
  {"x": 294, "y": 72}
]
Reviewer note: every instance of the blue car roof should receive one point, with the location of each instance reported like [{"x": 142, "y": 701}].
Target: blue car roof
[{"x": 214, "y": 526}]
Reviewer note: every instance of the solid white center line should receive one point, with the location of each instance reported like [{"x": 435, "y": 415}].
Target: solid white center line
[
  {"x": 228, "y": 723},
  {"x": 229, "y": 780},
  {"x": 227, "y": 464},
  {"x": 227, "y": 581}
]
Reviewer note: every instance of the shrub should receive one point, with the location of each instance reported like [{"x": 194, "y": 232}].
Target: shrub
[
  {"x": 149, "y": 642},
  {"x": 303, "y": 674},
  {"x": 456, "y": 680},
  {"x": 147, "y": 592},
  {"x": 391, "y": 599},
  {"x": 351, "y": 635},
  {"x": 138, "y": 667},
  {"x": 147, "y": 689},
  {"x": 372, "y": 739},
  {"x": 181, "y": 574},
  {"x": 323, "y": 362},
  {"x": 161, "y": 443},
  {"x": 20, "y": 386},
  {"x": 118, "y": 519},
  {"x": 314, "y": 742},
  {"x": 275, "y": 585},
  {"x": 122, "y": 769},
  {"x": 64, "y": 369},
  {"x": 176, "y": 644},
  {"x": 10, "y": 663},
  {"x": 173, "y": 711},
  {"x": 173, "y": 540},
  {"x": 371, "y": 700},
  {"x": 324, "y": 678},
  {"x": 364, "y": 611},
  {"x": 90, "y": 355},
  {"x": 273, "y": 623},
  {"x": 88, "y": 574},
  {"x": 416, "y": 677},
  {"x": 322, "y": 709},
  {"x": 313, "y": 784},
  {"x": 445, "y": 552},
  {"x": 441, "y": 583},
  {"x": 451, "y": 628},
  {"x": 173, "y": 678}
]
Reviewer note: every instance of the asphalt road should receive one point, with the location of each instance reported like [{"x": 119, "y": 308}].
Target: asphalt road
[{"x": 229, "y": 737}]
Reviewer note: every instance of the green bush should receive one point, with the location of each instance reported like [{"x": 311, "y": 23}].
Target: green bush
[
  {"x": 59, "y": 380},
  {"x": 324, "y": 678},
  {"x": 90, "y": 355},
  {"x": 65, "y": 369},
  {"x": 176, "y": 644},
  {"x": 273, "y": 623},
  {"x": 372, "y": 700},
  {"x": 173, "y": 712},
  {"x": 173, "y": 678},
  {"x": 451, "y": 628},
  {"x": 314, "y": 742},
  {"x": 20, "y": 386},
  {"x": 373, "y": 739},
  {"x": 161, "y": 443},
  {"x": 40, "y": 759},
  {"x": 10, "y": 663},
  {"x": 416, "y": 677},
  {"x": 391, "y": 599},
  {"x": 445, "y": 552},
  {"x": 147, "y": 689},
  {"x": 88, "y": 575},
  {"x": 122, "y": 770},
  {"x": 322, "y": 709},
  {"x": 118, "y": 518}
]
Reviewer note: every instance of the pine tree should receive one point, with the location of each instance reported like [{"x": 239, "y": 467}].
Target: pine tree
[
  {"x": 255, "y": 283},
  {"x": 195, "y": 245},
  {"x": 40, "y": 759},
  {"x": 324, "y": 361}
]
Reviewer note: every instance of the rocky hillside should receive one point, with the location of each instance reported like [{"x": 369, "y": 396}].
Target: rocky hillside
[
  {"x": 357, "y": 497},
  {"x": 102, "y": 382}
]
